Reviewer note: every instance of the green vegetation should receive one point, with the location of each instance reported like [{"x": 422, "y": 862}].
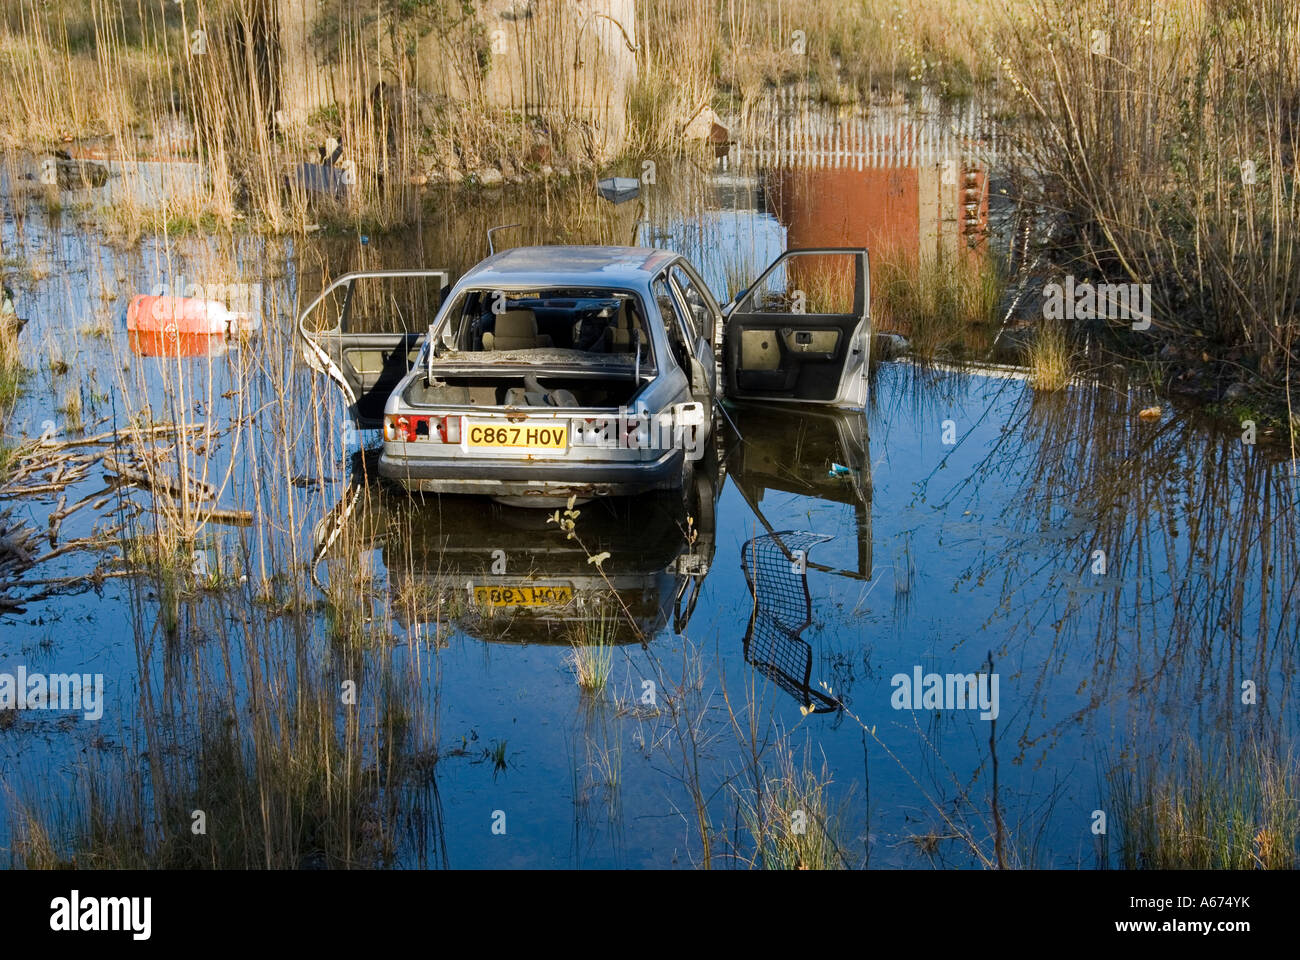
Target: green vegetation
[
  {"x": 789, "y": 820},
  {"x": 12, "y": 375},
  {"x": 1231, "y": 808},
  {"x": 276, "y": 797},
  {"x": 592, "y": 637},
  {"x": 1051, "y": 357}
]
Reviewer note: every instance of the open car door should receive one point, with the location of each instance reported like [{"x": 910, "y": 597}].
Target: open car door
[
  {"x": 801, "y": 332},
  {"x": 365, "y": 331}
]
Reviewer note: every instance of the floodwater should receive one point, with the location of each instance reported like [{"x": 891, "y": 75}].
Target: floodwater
[{"x": 1112, "y": 581}]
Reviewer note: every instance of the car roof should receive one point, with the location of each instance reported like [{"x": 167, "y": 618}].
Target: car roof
[{"x": 566, "y": 265}]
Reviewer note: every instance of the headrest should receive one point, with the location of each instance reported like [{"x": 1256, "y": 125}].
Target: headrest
[{"x": 517, "y": 323}]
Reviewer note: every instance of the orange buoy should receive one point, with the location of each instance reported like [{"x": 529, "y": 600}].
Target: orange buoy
[{"x": 184, "y": 315}]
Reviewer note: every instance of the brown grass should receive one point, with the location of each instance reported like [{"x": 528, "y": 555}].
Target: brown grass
[
  {"x": 1143, "y": 142},
  {"x": 1051, "y": 358}
]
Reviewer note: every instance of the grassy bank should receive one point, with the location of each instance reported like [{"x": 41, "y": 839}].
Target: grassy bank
[
  {"x": 414, "y": 107},
  {"x": 947, "y": 307}
]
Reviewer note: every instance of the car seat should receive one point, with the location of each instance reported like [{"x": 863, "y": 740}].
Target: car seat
[
  {"x": 515, "y": 330},
  {"x": 618, "y": 335}
]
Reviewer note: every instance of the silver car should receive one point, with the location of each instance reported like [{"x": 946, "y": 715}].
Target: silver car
[{"x": 581, "y": 371}]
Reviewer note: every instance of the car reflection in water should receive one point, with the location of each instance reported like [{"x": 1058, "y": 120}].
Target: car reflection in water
[
  {"x": 511, "y": 574},
  {"x": 822, "y": 454}
]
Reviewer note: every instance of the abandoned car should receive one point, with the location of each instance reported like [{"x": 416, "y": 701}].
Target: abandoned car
[{"x": 580, "y": 371}]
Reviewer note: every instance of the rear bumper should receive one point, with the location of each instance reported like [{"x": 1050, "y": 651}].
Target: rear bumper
[{"x": 506, "y": 478}]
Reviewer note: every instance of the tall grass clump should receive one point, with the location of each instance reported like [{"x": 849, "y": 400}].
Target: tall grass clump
[
  {"x": 12, "y": 373},
  {"x": 835, "y": 53},
  {"x": 268, "y": 796},
  {"x": 946, "y": 306},
  {"x": 1164, "y": 140},
  {"x": 670, "y": 89},
  {"x": 788, "y": 818},
  {"x": 852, "y": 51},
  {"x": 1050, "y": 357},
  {"x": 420, "y": 98},
  {"x": 77, "y": 69},
  {"x": 12, "y": 370},
  {"x": 1231, "y": 809},
  {"x": 592, "y": 639}
]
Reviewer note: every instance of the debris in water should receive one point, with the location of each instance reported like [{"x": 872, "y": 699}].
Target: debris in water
[
  {"x": 619, "y": 189},
  {"x": 8, "y": 312},
  {"x": 61, "y": 169},
  {"x": 18, "y": 544},
  {"x": 889, "y": 346},
  {"x": 331, "y": 178},
  {"x": 704, "y": 125},
  {"x": 1150, "y": 413}
]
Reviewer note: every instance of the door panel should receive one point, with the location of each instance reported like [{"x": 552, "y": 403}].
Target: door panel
[
  {"x": 801, "y": 332},
  {"x": 374, "y": 364},
  {"x": 696, "y": 298},
  {"x": 680, "y": 325},
  {"x": 696, "y": 315},
  {"x": 812, "y": 344}
]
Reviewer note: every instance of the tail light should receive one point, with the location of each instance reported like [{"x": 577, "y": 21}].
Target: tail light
[
  {"x": 411, "y": 429},
  {"x": 450, "y": 428},
  {"x": 398, "y": 428}
]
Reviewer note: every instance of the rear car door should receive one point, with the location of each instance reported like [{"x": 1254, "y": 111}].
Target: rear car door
[
  {"x": 702, "y": 311},
  {"x": 365, "y": 332},
  {"x": 801, "y": 332},
  {"x": 683, "y": 339}
]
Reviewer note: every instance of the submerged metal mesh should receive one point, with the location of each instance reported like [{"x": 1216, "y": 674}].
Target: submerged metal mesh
[{"x": 782, "y": 611}]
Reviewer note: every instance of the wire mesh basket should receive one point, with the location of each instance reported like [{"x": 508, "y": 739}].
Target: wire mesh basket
[{"x": 775, "y": 569}]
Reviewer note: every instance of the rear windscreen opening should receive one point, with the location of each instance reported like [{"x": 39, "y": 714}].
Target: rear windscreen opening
[{"x": 606, "y": 323}]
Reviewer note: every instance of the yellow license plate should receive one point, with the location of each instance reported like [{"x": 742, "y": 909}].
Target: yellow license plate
[
  {"x": 535, "y": 596},
  {"x": 531, "y": 435}
]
